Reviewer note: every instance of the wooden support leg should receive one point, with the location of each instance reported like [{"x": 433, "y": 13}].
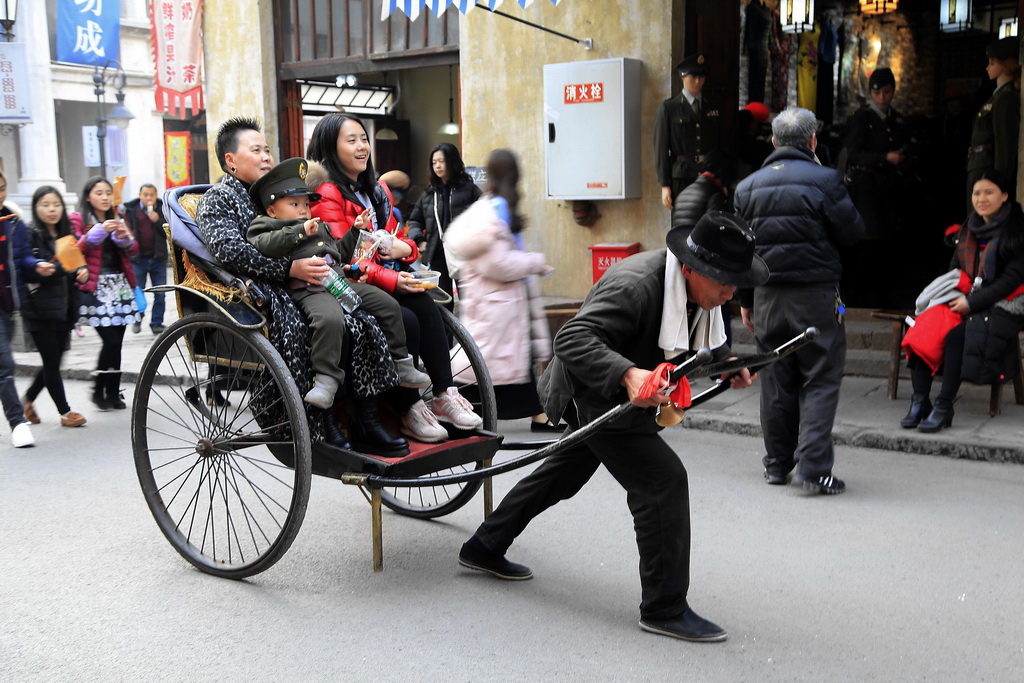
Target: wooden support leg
[
  {"x": 1018, "y": 381},
  {"x": 488, "y": 492},
  {"x": 995, "y": 402},
  {"x": 375, "y": 523},
  {"x": 894, "y": 359}
]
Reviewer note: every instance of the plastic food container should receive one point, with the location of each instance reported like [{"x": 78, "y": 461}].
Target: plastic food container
[{"x": 427, "y": 278}]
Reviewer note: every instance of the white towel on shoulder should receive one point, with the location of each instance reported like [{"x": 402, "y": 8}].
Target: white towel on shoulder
[{"x": 678, "y": 333}]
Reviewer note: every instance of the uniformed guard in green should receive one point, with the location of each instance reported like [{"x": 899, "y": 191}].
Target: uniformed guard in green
[
  {"x": 994, "y": 138},
  {"x": 876, "y": 147},
  {"x": 686, "y": 127}
]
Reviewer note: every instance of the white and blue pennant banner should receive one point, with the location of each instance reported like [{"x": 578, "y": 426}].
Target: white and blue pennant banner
[{"x": 413, "y": 8}]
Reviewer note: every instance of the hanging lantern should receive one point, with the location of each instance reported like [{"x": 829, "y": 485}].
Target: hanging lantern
[
  {"x": 954, "y": 15},
  {"x": 1008, "y": 27},
  {"x": 797, "y": 15},
  {"x": 879, "y": 6}
]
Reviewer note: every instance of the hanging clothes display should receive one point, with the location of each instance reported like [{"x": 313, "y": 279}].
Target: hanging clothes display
[
  {"x": 755, "y": 39},
  {"x": 781, "y": 50},
  {"x": 807, "y": 70},
  {"x": 827, "y": 56}
]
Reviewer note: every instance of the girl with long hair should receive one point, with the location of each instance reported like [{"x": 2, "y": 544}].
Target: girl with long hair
[{"x": 51, "y": 308}]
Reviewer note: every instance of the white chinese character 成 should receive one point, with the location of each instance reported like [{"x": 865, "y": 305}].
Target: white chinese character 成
[
  {"x": 94, "y": 6},
  {"x": 88, "y": 39}
]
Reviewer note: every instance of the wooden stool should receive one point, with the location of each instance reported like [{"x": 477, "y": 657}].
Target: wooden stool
[{"x": 900, "y": 327}]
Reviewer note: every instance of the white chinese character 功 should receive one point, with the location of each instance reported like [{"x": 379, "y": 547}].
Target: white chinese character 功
[{"x": 94, "y": 6}]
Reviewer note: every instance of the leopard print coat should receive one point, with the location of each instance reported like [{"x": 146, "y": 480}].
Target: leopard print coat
[{"x": 223, "y": 216}]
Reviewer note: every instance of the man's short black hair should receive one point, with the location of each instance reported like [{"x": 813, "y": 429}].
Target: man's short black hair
[
  {"x": 147, "y": 185},
  {"x": 227, "y": 136}
]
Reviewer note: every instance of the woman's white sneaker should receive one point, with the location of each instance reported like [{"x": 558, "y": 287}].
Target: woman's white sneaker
[
  {"x": 419, "y": 424},
  {"x": 453, "y": 408}
]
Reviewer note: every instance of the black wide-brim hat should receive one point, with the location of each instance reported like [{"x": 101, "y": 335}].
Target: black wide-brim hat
[
  {"x": 720, "y": 247},
  {"x": 287, "y": 179}
]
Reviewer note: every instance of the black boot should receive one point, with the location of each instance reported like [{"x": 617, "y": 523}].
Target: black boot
[
  {"x": 114, "y": 397},
  {"x": 920, "y": 407},
  {"x": 368, "y": 436},
  {"x": 941, "y": 416},
  {"x": 332, "y": 434},
  {"x": 99, "y": 391}
]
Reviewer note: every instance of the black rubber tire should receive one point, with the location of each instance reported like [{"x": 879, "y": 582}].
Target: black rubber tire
[
  {"x": 231, "y": 509},
  {"x": 427, "y": 502}
]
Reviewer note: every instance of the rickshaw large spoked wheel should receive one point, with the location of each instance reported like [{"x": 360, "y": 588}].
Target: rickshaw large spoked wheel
[
  {"x": 228, "y": 484},
  {"x": 426, "y": 502}
]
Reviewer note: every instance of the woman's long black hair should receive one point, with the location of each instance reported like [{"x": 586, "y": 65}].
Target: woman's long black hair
[
  {"x": 1011, "y": 241},
  {"x": 503, "y": 181},
  {"x": 323, "y": 149},
  {"x": 453, "y": 163},
  {"x": 89, "y": 216},
  {"x": 63, "y": 225}
]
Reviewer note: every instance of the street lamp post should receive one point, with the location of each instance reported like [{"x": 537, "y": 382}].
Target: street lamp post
[
  {"x": 120, "y": 116},
  {"x": 8, "y": 14}
]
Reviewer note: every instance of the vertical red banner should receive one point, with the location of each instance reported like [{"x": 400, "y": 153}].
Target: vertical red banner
[
  {"x": 177, "y": 159},
  {"x": 178, "y": 52}
]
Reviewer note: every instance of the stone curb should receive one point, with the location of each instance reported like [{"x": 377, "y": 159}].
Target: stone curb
[{"x": 850, "y": 435}]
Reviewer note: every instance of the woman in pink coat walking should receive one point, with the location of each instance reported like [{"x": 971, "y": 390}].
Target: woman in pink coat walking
[{"x": 499, "y": 300}]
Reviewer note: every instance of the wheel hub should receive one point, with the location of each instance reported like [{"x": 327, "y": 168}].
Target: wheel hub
[{"x": 204, "y": 447}]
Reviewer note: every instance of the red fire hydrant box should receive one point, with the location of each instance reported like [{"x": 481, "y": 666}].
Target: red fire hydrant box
[{"x": 606, "y": 254}]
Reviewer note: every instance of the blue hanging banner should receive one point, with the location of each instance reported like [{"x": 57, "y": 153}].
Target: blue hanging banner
[{"x": 88, "y": 31}]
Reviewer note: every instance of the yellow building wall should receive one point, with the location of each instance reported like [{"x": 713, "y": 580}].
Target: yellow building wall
[
  {"x": 240, "y": 68},
  {"x": 502, "y": 106}
]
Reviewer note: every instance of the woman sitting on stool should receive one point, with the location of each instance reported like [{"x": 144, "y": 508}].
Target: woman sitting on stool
[{"x": 990, "y": 249}]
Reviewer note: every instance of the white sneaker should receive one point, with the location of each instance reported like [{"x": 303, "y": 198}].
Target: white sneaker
[
  {"x": 452, "y": 407},
  {"x": 420, "y": 424},
  {"x": 21, "y": 436}
]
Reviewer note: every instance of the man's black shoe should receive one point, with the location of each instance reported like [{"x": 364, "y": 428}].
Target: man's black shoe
[
  {"x": 475, "y": 556},
  {"x": 776, "y": 477},
  {"x": 828, "y": 485},
  {"x": 687, "y": 626}
]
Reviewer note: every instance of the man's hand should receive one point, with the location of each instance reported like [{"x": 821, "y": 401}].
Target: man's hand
[
  {"x": 633, "y": 379},
  {"x": 311, "y": 227},
  {"x": 45, "y": 268},
  {"x": 894, "y": 157},
  {"x": 82, "y": 274},
  {"x": 741, "y": 379},
  {"x": 666, "y": 197},
  {"x": 748, "y": 322},
  {"x": 311, "y": 270}
]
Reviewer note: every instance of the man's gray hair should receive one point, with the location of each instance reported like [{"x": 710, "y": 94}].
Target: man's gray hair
[{"x": 794, "y": 128}]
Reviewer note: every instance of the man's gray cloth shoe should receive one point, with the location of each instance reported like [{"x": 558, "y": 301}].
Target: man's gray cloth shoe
[
  {"x": 475, "y": 556},
  {"x": 322, "y": 393},
  {"x": 409, "y": 375},
  {"x": 687, "y": 626},
  {"x": 136, "y": 327}
]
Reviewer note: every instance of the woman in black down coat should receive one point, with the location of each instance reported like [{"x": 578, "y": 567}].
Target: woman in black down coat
[
  {"x": 451, "y": 192},
  {"x": 51, "y": 309},
  {"x": 990, "y": 249}
]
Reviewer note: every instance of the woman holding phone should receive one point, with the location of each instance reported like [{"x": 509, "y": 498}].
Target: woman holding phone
[{"x": 107, "y": 296}]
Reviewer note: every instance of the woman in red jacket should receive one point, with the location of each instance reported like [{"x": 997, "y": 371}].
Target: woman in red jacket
[
  {"x": 108, "y": 296},
  {"x": 351, "y": 198}
]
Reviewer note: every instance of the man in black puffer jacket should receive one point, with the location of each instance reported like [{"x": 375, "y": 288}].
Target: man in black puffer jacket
[{"x": 801, "y": 214}]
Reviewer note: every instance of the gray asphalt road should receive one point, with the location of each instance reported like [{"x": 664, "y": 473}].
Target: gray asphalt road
[{"x": 914, "y": 574}]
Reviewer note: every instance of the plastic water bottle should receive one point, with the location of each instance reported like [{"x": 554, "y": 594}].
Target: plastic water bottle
[{"x": 339, "y": 287}]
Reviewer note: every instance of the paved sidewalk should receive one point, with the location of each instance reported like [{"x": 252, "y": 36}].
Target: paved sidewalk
[{"x": 866, "y": 418}]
